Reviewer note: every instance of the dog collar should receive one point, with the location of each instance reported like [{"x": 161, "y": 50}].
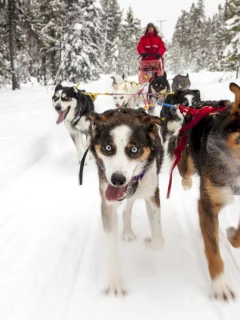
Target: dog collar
[
  {"x": 74, "y": 121},
  {"x": 139, "y": 177},
  {"x": 131, "y": 187}
]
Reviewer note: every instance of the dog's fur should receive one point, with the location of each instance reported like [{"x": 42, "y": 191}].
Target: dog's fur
[
  {"x": 129, "y": 155},
  {"x": 72, "y": 104},
  {"x": 126, "y": 93},
  {"x": 181, "y": 82},
  {"x": 158, "y": 86},
  {"x": 173, "y": 119},
  {"x": 213, "y": 150}
]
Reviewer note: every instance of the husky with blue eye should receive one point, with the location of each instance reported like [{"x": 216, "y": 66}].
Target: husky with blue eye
[{"x": 128, "y": 151}]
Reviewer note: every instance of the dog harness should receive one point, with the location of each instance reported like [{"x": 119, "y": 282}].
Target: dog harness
[{"x": 198, "y": 116}]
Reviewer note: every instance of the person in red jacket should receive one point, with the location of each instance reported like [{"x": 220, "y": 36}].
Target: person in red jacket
[{"x": 151, "y": 46}]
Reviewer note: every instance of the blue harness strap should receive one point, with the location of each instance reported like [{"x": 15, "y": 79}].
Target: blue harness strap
[{"x": 166, "y": 105}]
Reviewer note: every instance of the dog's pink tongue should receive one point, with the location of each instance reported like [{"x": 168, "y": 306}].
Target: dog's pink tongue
[
  {"x": 113, "y": 193},
  {"x": 61, "y": 117}
]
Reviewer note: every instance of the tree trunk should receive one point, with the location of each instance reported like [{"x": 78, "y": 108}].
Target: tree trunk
[
  {"x": 12, "y": 43},
  {"x": 44, "y": 69}
]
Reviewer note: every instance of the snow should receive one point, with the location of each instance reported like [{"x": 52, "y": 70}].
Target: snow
[
  {"x": 52, "y": 247},
  {"x": 78, "y": 26}
]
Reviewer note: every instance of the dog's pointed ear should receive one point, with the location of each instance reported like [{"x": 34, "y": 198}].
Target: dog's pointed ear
[
  {"x": 236, "y": 90},
  {"x": 187, "y": 75},
  {"x": 114, "y": 81},
  {"x": 150, "y": 120},
  {"x": 97, "y": 118},
  {"x": 155, "y": 74},
  {"x": 165, "y": 74},
  {"x": 123, "y": 76},
  {"x": 151, "y": 123},
  {"x": 58, "y": 87},
  {"x": 197, "y": 93}
]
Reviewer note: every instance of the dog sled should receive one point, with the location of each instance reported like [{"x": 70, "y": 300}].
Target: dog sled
[{"x": 147, "y": 69}]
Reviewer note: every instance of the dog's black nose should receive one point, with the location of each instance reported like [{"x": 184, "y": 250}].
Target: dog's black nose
[
  {"x": 58, "y": 108},
  {"x": 118, "y": 179}
]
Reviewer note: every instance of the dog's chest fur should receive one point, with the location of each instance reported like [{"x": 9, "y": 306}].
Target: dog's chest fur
[{"x": 144, "y": 188}]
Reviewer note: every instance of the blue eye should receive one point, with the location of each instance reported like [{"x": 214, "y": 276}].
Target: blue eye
[
  {"x": 134, "y": 149},
  {"x": 108, "y": 148}
]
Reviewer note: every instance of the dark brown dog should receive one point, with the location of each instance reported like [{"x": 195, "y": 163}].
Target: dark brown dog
[{"x": 214, "y": 152}]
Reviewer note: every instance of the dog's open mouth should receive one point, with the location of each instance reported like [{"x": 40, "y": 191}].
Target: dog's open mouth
[
  {"x": 122, "y": 105},
  {"x": 115, "y": 193},
  {"x": 62, "y": 115}
]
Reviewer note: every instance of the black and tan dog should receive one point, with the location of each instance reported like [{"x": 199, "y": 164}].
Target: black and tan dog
[
  {"x": 172, "y": 118},
  {"x": 129, "y": 155},
  {"x": 214, "y": 152},
  {"x": 157, "y": 89}
]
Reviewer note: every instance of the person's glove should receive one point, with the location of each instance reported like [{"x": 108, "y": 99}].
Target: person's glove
[
  {"x": 158, "y": 56},
  {"x": 144, "y": 55}
]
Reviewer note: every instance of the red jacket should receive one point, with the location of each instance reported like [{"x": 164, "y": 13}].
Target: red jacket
[{"x": 151, "y": 44}]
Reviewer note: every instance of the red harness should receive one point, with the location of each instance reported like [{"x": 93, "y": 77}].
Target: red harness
[{"x": 198, "y": 116}]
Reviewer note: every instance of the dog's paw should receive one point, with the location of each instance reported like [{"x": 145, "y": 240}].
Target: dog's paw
[
  {"x": 233, "y": 237},
  {"x": 115, "y": 289},
  {"x": 154, "y": 244},
  {"x": 221, "y": 290},
  {"x": 128, "y": 236},
  {"x": 187, "y": 184}
]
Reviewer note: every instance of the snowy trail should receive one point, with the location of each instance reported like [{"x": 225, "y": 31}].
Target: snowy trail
[{"x": 52, "y": 247}]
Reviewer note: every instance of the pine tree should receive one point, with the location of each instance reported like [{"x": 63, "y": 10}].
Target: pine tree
[
  {"x": 5, "y": 71},
  {"x": 128, "y": 39},
  {"x": 232, "y": 25},
  {"x": 216, "y": 34},
  {"x": 84, "y": 43},
  {"x": 179, "y": 50},
  {"x": 12, "y": 20},
  {"x": 197, "y": 32},
  {"x": 51, "y": 30},
  {"x": 111, "y": 21}
]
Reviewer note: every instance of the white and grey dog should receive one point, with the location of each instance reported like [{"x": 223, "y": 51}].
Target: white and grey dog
[
  {"x": 128, "y": 151},
  {"x": 72, "y": 107},
  {"x": 126, "y": 93}
]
